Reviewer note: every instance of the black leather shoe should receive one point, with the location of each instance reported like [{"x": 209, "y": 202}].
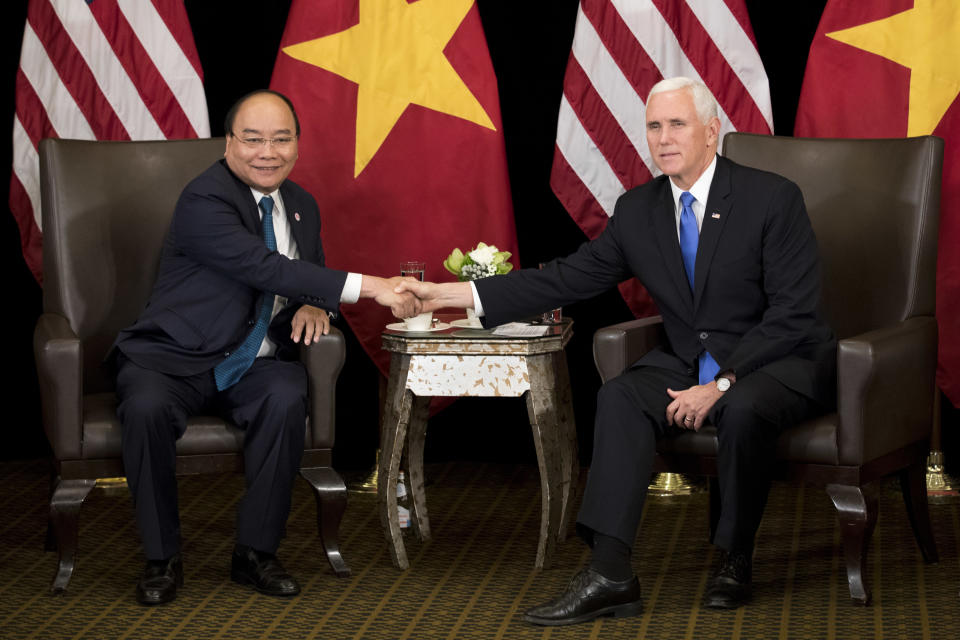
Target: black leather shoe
[
  {"x": 160, "y": 580},
  {"x": 262, "y": 571},
  {"x": 588, "y": 596},
  {"x": 730, "y": 587}
]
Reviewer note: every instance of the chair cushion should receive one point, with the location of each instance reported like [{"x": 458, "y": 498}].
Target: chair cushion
[
  {"x": 101, "y": 431},
  {"x": 813, "y": 441}
]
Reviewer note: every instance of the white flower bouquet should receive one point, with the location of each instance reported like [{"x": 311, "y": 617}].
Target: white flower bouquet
[{"x": 482, "y": 261}]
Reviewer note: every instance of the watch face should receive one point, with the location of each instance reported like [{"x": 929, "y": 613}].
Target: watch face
[{"x": 723, "y": 384}]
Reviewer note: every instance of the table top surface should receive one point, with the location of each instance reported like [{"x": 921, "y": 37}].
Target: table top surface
[{"x": 458, "y": 340}]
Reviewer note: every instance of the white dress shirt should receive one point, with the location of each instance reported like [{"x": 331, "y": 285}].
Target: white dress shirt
[{"x": 287, "y": 246}]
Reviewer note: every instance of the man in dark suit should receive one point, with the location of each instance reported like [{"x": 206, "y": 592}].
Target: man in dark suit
[
  {"x": 729, "y": 257},
  {"x": 241, "y": 280}
]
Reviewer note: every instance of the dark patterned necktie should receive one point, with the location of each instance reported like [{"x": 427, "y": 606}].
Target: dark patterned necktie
[{"x": 228, "y": 372}]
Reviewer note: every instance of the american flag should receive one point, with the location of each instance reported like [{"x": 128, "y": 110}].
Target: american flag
[
  {"x": 621, "y": 48},
  {"x": 100, "y": 70}
]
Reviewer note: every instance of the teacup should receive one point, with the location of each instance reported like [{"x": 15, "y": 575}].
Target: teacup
[{"x": 421, "y": 322}]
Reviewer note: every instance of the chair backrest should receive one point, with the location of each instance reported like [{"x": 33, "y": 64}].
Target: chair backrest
[
  {"x": 106, "y": 210},
  {"x": 874, "y": 206}
]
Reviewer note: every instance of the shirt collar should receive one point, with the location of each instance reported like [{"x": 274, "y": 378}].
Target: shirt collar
[{"x": 700, "y": 189}]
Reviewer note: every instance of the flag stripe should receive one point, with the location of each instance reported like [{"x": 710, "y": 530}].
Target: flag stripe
[
  {"x": 182, "y": 78},
  {"x": 31, "y": 240},
  {"x": 150, "y": 86},
  {"x": 87, "y": 72},
  {"x": 175, "y": 20},
  {"x": 585, "y": 159},
  {"x": 733, "y": 36},
  {"x": 109, "y": 73},
  {"x": 576, "y": 197},
  {"x": 621, "y": 45},
  {"x": 26, "y": 167},
  {"x": 610, "y": 99},
  {"x": 73, "y": 73},
  {"x": 710, "y": 61},
  {"x": 67, "y": 118},
  {"x": 31, "y": 115}
]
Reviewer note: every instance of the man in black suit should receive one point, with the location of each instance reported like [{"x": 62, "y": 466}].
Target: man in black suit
[
  {"x": 729, "y": 257},
  {"x": 241, "y": 280}
]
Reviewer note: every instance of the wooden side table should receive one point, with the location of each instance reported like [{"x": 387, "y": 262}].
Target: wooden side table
[{"x": 466, "y": 362}]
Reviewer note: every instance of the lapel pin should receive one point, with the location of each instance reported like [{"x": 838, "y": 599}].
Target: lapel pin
[
  {"x": 715, "y": 215},
  {"x": 296, "y": 216}
]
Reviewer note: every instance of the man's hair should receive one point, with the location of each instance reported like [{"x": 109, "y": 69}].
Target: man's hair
[
  {"x": 232, "y": 113},
  {"x": 703, "y": 100}
]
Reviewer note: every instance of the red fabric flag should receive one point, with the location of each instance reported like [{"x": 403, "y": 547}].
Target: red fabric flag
[
  {"x": 885, "y": 69},
  {"x": 621, "y": 48},
  {"x": 401, "y": 142},
  {"x": 99, "y": 70}
]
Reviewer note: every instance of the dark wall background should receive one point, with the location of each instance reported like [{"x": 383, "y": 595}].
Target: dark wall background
[{"x": 529, "y": 43}]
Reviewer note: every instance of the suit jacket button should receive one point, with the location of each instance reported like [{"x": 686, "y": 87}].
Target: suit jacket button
[
  {"x": 703, "y": 335},
  {"x": 226, "y": 354}
]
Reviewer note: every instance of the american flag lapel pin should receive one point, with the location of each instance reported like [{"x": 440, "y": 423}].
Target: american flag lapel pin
[
  {"x": 296, "y": 216},
  {"x": 715, "y": 215}
]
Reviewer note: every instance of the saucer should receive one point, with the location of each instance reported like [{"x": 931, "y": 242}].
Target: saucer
[
  {"x": 399, "y": 326},
  {"x": 465, "y": 323}
]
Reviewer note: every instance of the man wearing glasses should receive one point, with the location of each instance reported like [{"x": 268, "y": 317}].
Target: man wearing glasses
[{"x": 240, "y": 281}]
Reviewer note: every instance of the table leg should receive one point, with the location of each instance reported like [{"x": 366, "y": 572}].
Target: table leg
[
  {"x": 416, "y": 434},
  {"x": 542, "y": 411},
  {"x": 396, "y": 416},
  {"x": 569, "y": 456}
]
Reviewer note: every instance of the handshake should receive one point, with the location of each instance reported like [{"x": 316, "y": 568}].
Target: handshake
[{"x": 408, "y": 297}]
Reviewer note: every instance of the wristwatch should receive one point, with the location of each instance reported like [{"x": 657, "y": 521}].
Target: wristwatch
[{"x": 723, "y": 384}]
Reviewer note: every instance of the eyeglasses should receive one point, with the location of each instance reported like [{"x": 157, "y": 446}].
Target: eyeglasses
[{"x": 284, "y": 142}]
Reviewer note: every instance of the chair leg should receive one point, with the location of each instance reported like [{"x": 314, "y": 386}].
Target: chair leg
[
  {"x": 857, "y": 512},
  {"x": 714, "y": 493},
  {"x": 64, "y": 526},
  {"x": 913, "y": 483},
  {"x": 331, "y": 495}
]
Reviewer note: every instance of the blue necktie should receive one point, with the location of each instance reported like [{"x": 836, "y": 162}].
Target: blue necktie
[
  {"x": 228, "y": 372},
  {"x": 689, "y": 239}
]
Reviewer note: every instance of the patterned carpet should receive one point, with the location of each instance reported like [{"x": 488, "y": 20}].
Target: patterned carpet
[{"x": 476, "y": 575}]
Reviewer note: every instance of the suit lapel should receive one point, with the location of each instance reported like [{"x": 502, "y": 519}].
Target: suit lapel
[
  {"x": 665, "y": 229},
  {"x": 715, "y": 216},
  {"x": 292, "y": 209}
]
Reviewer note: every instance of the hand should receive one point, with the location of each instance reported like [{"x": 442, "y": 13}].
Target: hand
[
  {"x": 384, "y": 291},
  {"x": 690, "y": 407},
  {"x": 311, "y": 323},
  {"x": 438, "y": 296}
]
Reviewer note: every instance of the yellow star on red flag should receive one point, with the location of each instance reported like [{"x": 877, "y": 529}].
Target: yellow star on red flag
[
  {"x": 395, "y": 54},
  {"x": 923, "y": 39}
]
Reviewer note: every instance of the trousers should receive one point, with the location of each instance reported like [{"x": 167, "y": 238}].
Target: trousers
[
  {"x": 269, "y": 404},
  {"x": 631, "y": 418}
]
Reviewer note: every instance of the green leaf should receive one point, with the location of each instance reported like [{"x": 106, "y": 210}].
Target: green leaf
[{"x": 504, "y": 267}]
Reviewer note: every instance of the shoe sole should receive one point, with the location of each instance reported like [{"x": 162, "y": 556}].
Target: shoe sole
[
  {"x": 247, "y": 581},
  {"x": 617, "y": 611}
]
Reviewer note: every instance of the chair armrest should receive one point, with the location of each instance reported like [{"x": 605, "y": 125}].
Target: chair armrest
[
  {"x": 885, "y": 389},
  {"x": 618, "y": 346},
  {"x": 323, "y": 359},
  {"x": 59, "y": 357}
]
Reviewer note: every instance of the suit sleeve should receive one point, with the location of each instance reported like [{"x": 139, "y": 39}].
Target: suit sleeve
[
  {"x": 791, "y": 283},
  {"x": 207, "y": 228},
  {"x": 594, "y": 268}
]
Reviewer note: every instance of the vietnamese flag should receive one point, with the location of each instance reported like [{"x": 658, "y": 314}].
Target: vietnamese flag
[
  {"x": 891, "y": 68},
  {"x": 402, "y": 143}
]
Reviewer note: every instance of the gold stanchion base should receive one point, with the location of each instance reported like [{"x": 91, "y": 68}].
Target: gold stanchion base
[
  {"x": 113, "y": 486},
  {"x": 370, "y": 481},
  {"x": 674, "y": 484},
  {"x": 941, "y": 486}
]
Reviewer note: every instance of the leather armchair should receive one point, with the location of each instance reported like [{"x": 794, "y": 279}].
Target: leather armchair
[
  {"x": 106, "y": 208},
  {"x": 874, "y": 205}
]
